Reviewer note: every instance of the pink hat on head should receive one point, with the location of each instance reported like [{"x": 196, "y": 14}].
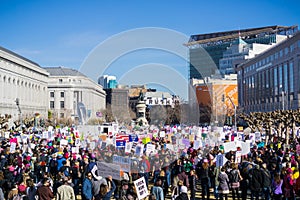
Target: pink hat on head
[
  {"x": 11, "y": 168},
  {"x": 22, "y": 188},
  {"x": 205, "y": 160}
]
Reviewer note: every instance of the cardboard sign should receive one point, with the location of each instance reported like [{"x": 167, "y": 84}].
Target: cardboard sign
[
  {"x": 108, "y": 169},
  {"x": 238, "y": 157},
  {"x": 141, "y": 188}
]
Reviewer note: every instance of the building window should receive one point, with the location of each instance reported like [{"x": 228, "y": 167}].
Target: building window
[
  {"x": 51, "y": 94},
  {"x": 60, "y": 80},
  {"x": 62, "y": 104},
  {"x": 286, "y": 51},
  {"x": 51, "y": 104},
  {"x": 62, "y": 115},
  {"x": 62, "y": 94}
]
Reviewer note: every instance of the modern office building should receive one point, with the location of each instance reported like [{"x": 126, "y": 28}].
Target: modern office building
[
  {"x": 74, "y": 95},
  {"x": 219, "y": 53},
  {"x": 23, "y": 79},
  {"x": 108, "y": 82},
  {"x": 271, "y": 80}
]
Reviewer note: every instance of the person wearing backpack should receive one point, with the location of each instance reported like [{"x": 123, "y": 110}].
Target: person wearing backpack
[
  {"x": 234, "y": 179},
  {"x": 31, "y": 189}
]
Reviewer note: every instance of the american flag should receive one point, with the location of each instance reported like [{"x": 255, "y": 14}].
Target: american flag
[{"x": 121, "y": 140}]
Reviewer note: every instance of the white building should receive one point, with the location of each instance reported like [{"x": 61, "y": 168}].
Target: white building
[
  {"x": 72, "y": 94},
  {"x": 240, "y": 51},
  {"x": 23, "y": 79},
  {"x": 159, "y": 98}
]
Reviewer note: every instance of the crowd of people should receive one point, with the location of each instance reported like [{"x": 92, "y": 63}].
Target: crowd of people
[{"x": 50, "y": 171}]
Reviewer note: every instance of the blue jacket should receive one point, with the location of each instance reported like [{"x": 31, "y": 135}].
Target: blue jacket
[{"x": 87, "y": 189}]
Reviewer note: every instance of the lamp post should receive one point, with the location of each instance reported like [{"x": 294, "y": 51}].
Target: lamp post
[
  {"x": 20, "y": 112},
  {"x": 283, "y": 99},
  {"x": 234, "y": 106}
]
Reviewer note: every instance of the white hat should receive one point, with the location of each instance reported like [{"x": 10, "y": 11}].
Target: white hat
[{"x": 183, "y": 189}]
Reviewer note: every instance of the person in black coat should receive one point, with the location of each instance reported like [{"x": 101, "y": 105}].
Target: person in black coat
[
  {"x": 256, "y": 181},
  {"x": 183, "y": 194}
]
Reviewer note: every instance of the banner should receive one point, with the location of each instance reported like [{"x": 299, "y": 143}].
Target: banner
[
  {"x": 123, "y": 162},
  {"x": 108, "y": 169},
  {"x": 141, "y": 188}
]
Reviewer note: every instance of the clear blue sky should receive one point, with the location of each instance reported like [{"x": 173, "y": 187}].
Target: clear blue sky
[{"x": 64, "y": 32}]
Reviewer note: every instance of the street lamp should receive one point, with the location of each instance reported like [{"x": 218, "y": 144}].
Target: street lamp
[
  {"x": 234, "y": 106},
  {"x": 20, "y": 112}
]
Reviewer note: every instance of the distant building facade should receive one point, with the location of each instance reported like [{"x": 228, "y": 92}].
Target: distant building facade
[
  {"x": 270, "y": 81},
  {"x": 216, "y": 53},
  {"x": 108, "y": 82},
  {"x": 23, "y": 79},
  {"x": 73, "y": 95},
  {"x": 217, "y": 97}
]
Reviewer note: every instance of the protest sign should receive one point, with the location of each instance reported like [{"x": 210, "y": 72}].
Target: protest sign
[
  {"x": 108, "y": 169},
  {"x": 63, "y": 142},
  {"x": 123, "y": 162},
  {"x": 128, "y": 146},
  {"x": 245, "y": 148},
  {"x": 229, "y": 146},
  {"x": 141, "y": 188},
  {"x": 6, "y": 135},
  {"x": 238, "y": 157},
  {"x": 75, "y": 149},
  {"x": 162, "y": 134},
  {"x": 170, "y": 146},
  {"x": 186, "y": 142},
  {"x": 150, "y": 148},
  {"x": 139, "y": 150},
  {"x": 13, "y": 147},
  {"x": 196, "y": 144}
]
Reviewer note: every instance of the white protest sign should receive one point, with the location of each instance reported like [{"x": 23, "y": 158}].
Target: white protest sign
[
  {"x": 77, "y": 142},
  {"x": 6, "y": 135},
  {"x": 13, "y": 147},
  {"x": 245, "y": 148},
  {"x": 45, "y": 135},
  {"x": 229, "y": 146},
  {"x": 63, "y": 142},
  {"x": 238, "y": 157},
  {"x": 170, "y": 147},
  {"x": 141, "y": 188},
  {"x": 150, "y": 148},
  {"x": 128, "y": 146},
  {"x": 196, "y": 144},
  {"x": 75, "y": 149},
  {"x": 257, "y": 136},
  {"x": 92, "y": 145},
  {"x": 162, "y": 134},
  {"x": 108, "y": 169}
]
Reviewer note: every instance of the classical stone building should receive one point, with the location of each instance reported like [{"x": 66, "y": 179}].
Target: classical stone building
[
  {"x": 23, "y": 79},
  {"x": 73, "y": 95}
]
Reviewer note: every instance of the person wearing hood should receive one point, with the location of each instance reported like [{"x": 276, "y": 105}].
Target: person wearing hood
[{"x": 183, "y": 194}]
